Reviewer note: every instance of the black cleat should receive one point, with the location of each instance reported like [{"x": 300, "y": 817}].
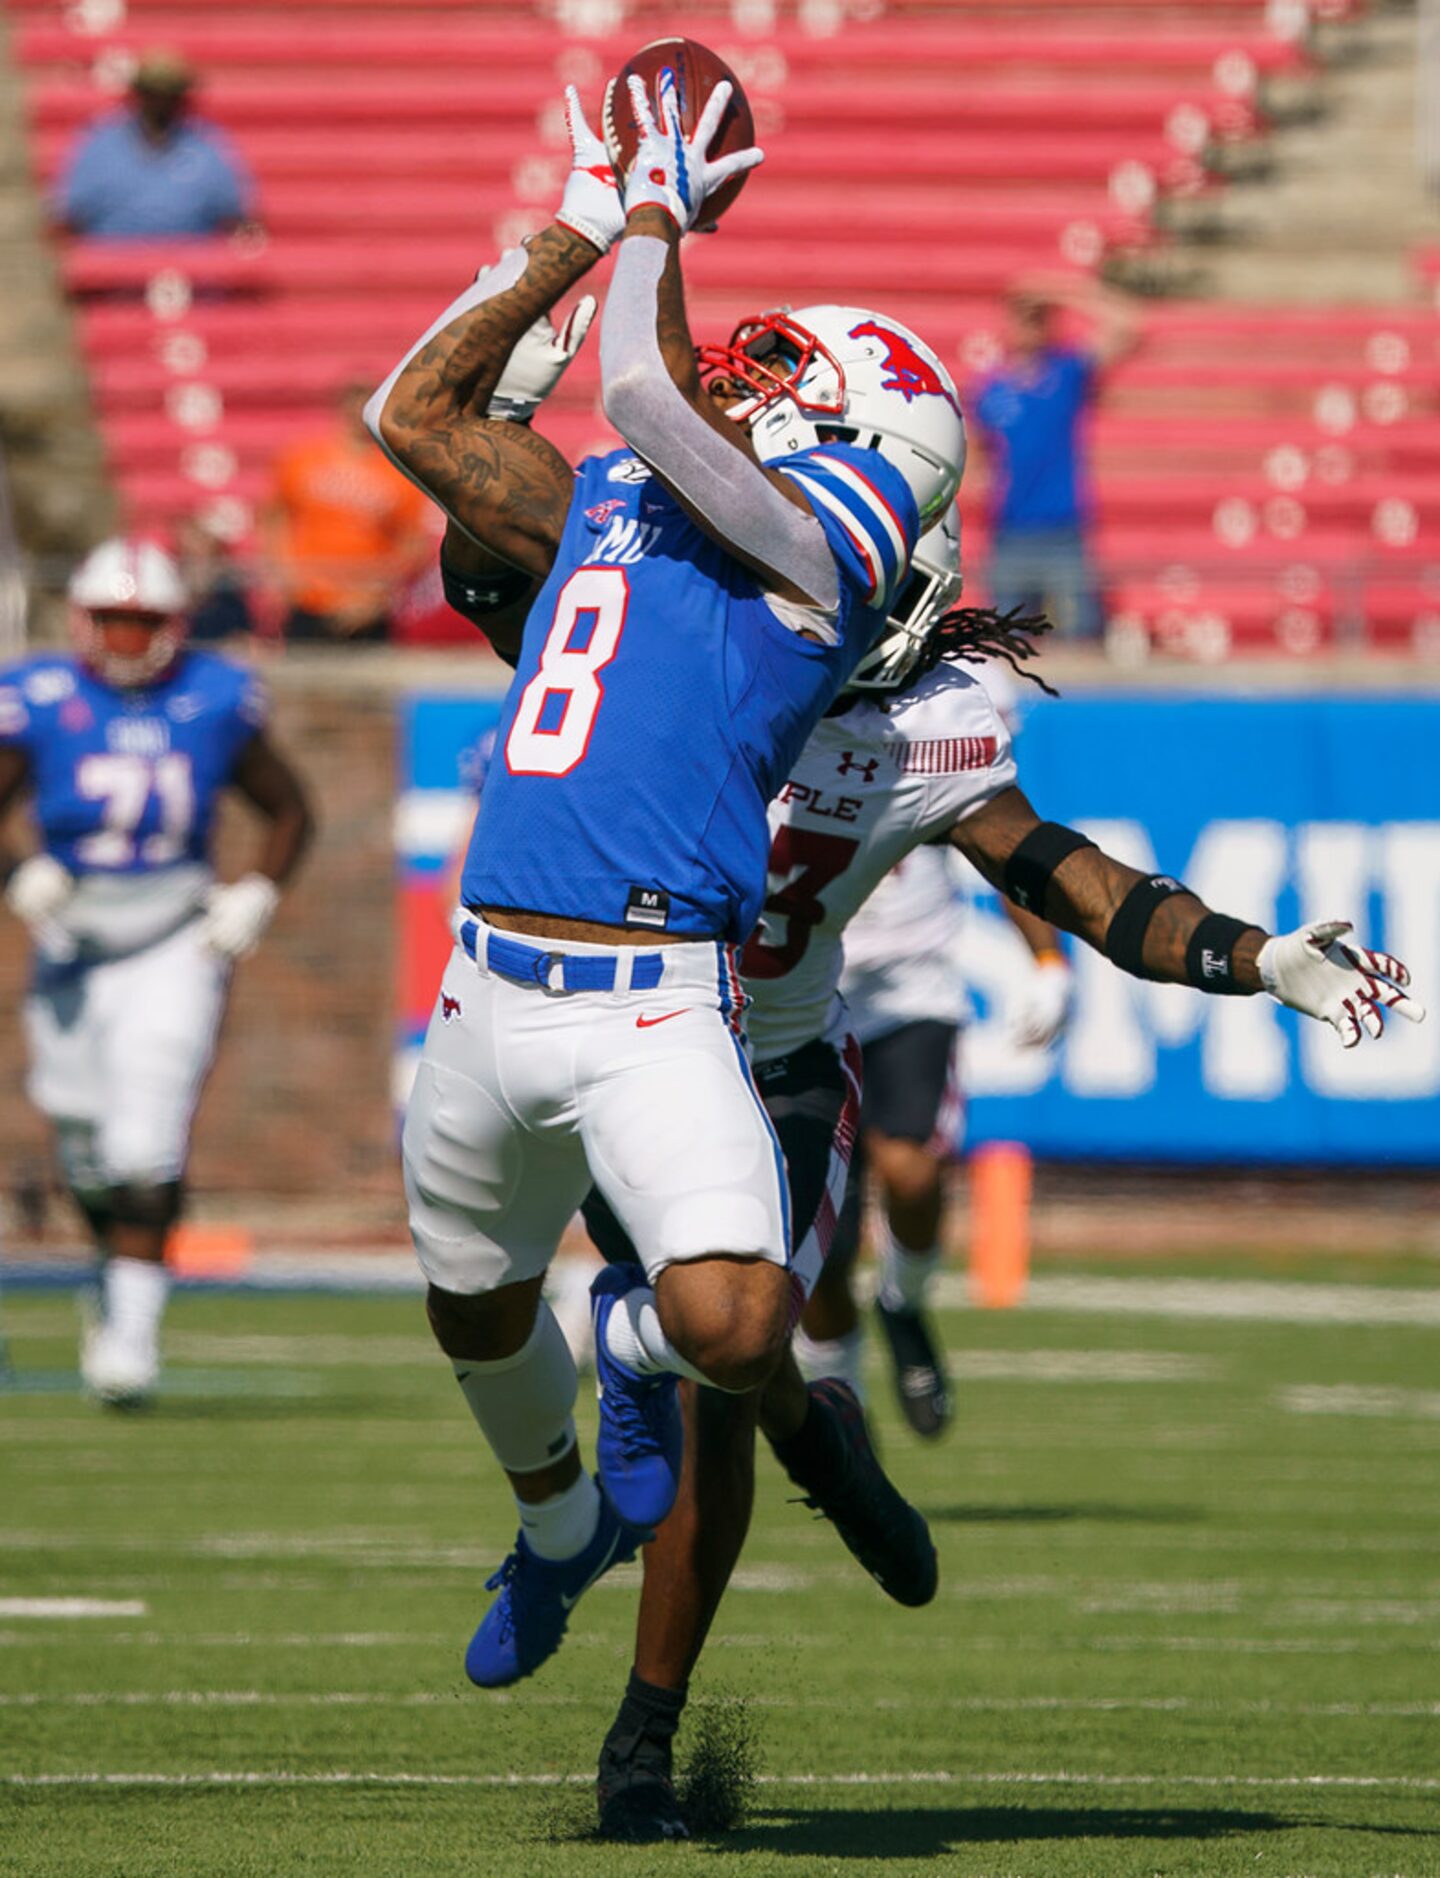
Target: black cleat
[
  {"x": 634, "y": 1788},
  {"x": 834, "y": 1466},
  {"x": 920, "y": 1379}
]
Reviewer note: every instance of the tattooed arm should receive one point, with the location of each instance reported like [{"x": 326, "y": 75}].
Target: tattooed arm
[{"x": 506, "y": 487}]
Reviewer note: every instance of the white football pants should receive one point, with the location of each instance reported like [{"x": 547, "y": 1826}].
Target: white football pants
[
  {"x": 527, "y": 1092},
  {"x": 122, "y": 1047}
]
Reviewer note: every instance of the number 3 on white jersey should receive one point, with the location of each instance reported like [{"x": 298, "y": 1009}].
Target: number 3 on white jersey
[{"x": 556, "y": 713}]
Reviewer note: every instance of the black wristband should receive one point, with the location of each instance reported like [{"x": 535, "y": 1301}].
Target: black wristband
[
  {"x": 1209, "y": 957},
  {"x": 476, "y": 596},
  {"x": 1033, "y": 861},
  {"x": 1125, "y": 940}
]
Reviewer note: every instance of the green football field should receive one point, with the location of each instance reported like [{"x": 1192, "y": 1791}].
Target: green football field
[{"x": 1190, "y": 1534}]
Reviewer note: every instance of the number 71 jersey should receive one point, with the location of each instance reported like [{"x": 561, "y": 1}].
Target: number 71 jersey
[
  {"x": 872, "y": 783},
  {"x": 126, "y": 781}
]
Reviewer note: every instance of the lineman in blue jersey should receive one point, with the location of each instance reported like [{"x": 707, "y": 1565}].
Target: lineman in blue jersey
[
  {"x": 125, "y": 750},
  {"x": 705, "y": 592}
]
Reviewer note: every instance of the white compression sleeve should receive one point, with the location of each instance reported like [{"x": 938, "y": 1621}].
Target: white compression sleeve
[
  {"x": 737, "y": 501},
  {"x": 523, "y": 1403},
  {"x": 491, "y": 281}
]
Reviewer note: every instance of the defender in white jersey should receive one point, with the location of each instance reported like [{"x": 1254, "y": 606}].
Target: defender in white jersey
[
  {"x": 929, "y": 758},
  {"x": 904, "y": 986}
]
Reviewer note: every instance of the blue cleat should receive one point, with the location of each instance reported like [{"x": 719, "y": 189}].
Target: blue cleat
[
  {"x": 523, "y": 1628},
  {"x": 642, "y": 1439}
]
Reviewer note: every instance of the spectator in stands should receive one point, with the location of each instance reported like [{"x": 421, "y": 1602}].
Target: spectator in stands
[
  {"x": 150, "y": 171},
  {"x": 342, "y": 531},
  {"x": 219, "y": 601},
  {"x": 1030, "y": 414}
]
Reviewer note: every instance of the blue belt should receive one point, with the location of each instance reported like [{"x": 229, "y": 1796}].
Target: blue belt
[{"x": 587, "y": 971}]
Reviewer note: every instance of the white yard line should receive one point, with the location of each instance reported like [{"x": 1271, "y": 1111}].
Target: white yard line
[
  {"x": 967, "y": 1705},
  {"x": 244, "y": 1640},
  {"x": 938, "y": 1777},
  {"x": 1243, "y": 1300},
  {"x": 73, "y": 1607},
  {"x": 1318, "y": 1398}
]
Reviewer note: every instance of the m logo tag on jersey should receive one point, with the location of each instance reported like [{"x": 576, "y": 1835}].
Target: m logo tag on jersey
[{"x": 648, "y": 906}]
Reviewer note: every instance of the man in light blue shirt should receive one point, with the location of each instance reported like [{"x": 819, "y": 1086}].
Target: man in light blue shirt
[{"x": 150, "y": 172}]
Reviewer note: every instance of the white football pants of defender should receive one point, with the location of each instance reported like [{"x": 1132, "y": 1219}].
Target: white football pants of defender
[
  {"x": 527, "y": 1092},
  {"x": 119, "y": 1052}
]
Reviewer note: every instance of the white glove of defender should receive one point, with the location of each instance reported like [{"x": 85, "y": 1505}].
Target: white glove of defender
[
  {"x": 1311, "y": 971},
  {"x": 590, "y": 206},
  {"x": 538, "y": 363},
  {"x": 237, "y": 915},
  {"x": 39, "y": 888},
  {"x": 1043, "y": 1007},
  {"x": 669, "y": 172}
]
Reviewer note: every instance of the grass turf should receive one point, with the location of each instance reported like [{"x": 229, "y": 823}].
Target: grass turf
[{"x": 1186, "y": 1624}]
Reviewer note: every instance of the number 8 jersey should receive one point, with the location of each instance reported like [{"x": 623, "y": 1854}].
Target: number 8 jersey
[
  {"x": 126, "y": 782},
  {"x": 661, "y": 698}
]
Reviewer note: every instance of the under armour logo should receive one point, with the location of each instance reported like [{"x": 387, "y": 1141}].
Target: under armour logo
[
  {"x": 1213, "y": 964},
  {"x": 865, "y": 766}
]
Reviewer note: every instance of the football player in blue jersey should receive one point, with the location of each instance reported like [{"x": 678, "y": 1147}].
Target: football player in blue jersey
[
  {"x": 702, "y": 594},
  {"x": 124, "y": 749}
]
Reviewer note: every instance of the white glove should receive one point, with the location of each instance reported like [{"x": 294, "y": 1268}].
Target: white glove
[
  {"x": 1043, "y": 1007},
  {"x": 669, "y": 172},
  {"x": 538, "y": 362},
  {"x": 590, "y": 206},
  {"x": 1311, "y": 971},
  {"x": 39, "y": 889},
  {"x": 236, "y": 915}
]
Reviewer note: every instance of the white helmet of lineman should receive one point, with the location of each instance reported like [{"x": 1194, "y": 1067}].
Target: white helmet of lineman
[
  {"x": 127, "y": 612},
  {"x": 840, "y": 371},
  {"x": 933, "y": 588}
]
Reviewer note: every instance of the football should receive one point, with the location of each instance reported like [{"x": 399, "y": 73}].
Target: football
[{"x": 697, "y": 71}]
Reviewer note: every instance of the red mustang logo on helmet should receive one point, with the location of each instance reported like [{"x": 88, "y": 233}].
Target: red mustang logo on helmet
[{"x": 910, "y": 375}]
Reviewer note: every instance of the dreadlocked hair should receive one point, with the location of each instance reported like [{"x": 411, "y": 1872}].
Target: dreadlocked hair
[{"x": 976, "y": 634}]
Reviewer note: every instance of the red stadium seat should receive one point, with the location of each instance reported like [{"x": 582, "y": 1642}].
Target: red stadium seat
[{"x": 1264, "y": 474}]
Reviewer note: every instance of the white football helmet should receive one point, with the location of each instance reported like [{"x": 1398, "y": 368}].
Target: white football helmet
[
  {"x": 839, "y": 371},
  {"x": 121, "y": 585},
  {"x": 934, "y": 587}
]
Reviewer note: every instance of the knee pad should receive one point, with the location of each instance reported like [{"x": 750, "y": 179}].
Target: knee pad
[{"x": 138, "y": 1203}]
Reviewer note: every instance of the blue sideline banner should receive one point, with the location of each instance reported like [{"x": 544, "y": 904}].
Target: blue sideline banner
[{"x": 1277, "y": 810}]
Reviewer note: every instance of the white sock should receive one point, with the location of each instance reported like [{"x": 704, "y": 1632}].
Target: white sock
[
  {"x": 565, "y": 1523},
  {"x": 134, "y": 1291},
  {"x": 832, "y": 1356},
  {"x": 904, "y": 1275},
  {"x": 633, "y": 1337}
]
